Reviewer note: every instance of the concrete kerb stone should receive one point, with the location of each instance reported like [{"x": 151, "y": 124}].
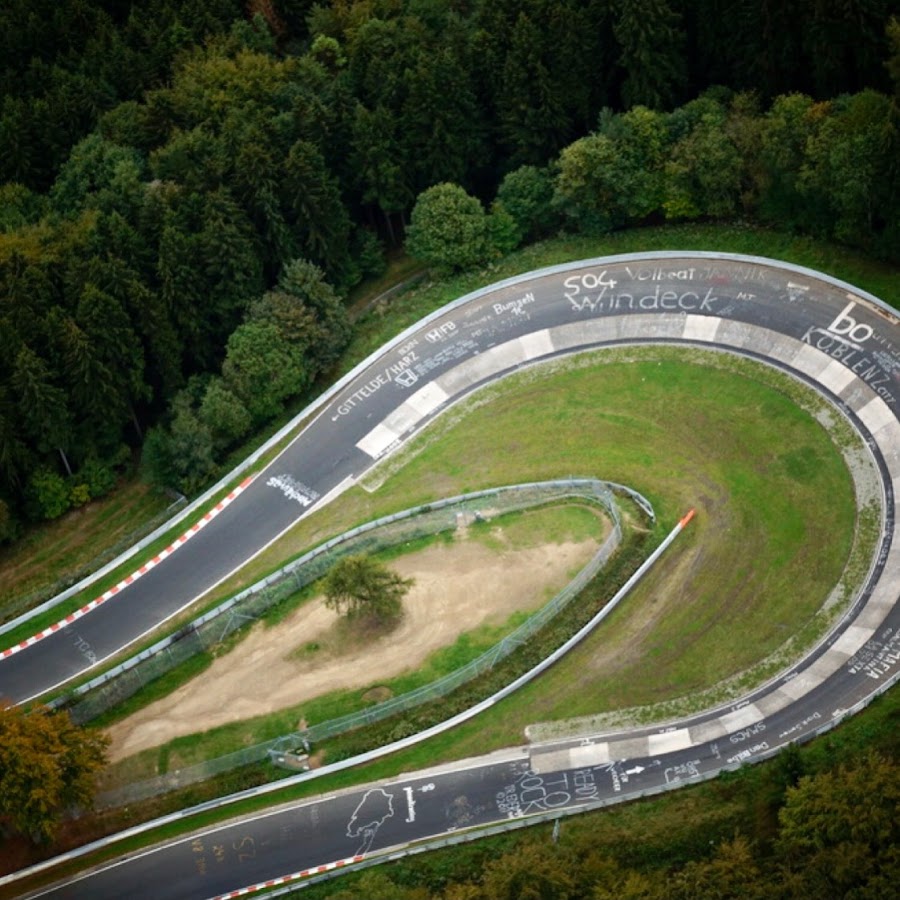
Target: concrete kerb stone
[
  {"x": 677, "y": 255},
  {"x": 397, "y": 852},
  {"x": 788, "y": 354},
  {"x": 866, "y": 619},
  {"x": 315, "y": 407},
  {"x": 792, "y": 354}
]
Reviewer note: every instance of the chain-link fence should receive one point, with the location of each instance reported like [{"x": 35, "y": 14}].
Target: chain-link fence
[
  {"x": 478, "y": 666},
  {"x": 112, "y": 688}
]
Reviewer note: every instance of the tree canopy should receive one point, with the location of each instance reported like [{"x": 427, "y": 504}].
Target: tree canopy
[
  {"x": 835, "y": 836},
  {"x": 448, "y": 229},
  {"x": 47, "y": 766},
  {"x": 360, "y": 587},
  {"x": 173, "y": 167}
]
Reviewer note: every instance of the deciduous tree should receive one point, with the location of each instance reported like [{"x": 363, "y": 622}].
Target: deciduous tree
[
  {"x": 448, "y": 229},
  {"x": 845, "y": 164},
  {"x": 526, "y": 194},
  {"x": 48, "y": 495},
  {"x": 839, "y": 830},
  {"x": 180, "y": 456},
  {"x": 47, "y": 765},
  {"x": 263, "y": 369},
  {"x": 587, "y": 192},
  {"x": 704, "y": 173},
  {"x": 224, "y": 414},
  {"x": 533, "y": 872},
  {"x": 732, "y": 872}
]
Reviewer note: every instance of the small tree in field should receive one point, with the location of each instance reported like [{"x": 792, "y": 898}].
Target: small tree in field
[{"x": 360, "y": 587}]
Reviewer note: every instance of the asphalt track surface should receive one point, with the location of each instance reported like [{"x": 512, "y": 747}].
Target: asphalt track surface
[{"x": 824, "y": 332}]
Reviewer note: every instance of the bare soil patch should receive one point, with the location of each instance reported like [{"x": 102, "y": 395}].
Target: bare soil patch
[{"x": 458, "y": 587}]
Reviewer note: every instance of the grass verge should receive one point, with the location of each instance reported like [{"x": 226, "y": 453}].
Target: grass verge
[
  {"x": 657, "y": 832},
  {"x": 386, "y": 319},
  {"x": 770, "y": 542},
  {"x": 47, "y": 559},
  {"x": 878, "y": 279},
  {"x": 545, "y": 525}
]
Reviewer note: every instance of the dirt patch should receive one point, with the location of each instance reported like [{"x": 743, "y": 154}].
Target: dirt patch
[
  {"x": 457, "y": 588},
  {"x": 378, "y": 694}
]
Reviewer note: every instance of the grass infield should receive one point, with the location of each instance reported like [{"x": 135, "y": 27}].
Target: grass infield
[
  {"x": 757, "y": 490},
  {"x": 773, "y": 535}
]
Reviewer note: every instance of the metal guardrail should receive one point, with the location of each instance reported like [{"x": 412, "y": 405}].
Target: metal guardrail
[
  {"x": 271, "y": 787},
  {"x": 430, "y": 518},
  {"x": 88, "y": 573},
  {"x": 315, "y": 407},
  {"x": 303, "y": 574},
  {"x": 393, "y": 854},
  {"x": 317, "y": 404}
]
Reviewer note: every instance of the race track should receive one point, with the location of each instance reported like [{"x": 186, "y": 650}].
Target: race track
[{"x": 843, "y": 342}]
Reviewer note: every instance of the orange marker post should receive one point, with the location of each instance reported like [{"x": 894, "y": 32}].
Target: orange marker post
[{"x": 687, "y": 518}]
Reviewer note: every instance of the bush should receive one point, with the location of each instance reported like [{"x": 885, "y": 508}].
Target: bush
[
  {"x": 48, "y": 495},
  {"x": 99, "y": 477},
  {"x": 503, "y": 232},
  {"x": 79, "y": 495},
  {"x": 527, "y": 195}
]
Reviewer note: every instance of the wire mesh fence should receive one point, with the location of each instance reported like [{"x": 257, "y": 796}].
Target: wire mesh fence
[{"x": 212, "y": 628}]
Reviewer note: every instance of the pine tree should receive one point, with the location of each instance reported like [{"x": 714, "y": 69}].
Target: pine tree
[
  {"x": 651, "y": 42},
  {"x": 360, "y": 587}
]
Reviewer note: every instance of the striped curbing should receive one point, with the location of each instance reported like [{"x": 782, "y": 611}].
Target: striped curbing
[
  {"x": 287, "y": 879},
  {"x": 116, "y": 589}
]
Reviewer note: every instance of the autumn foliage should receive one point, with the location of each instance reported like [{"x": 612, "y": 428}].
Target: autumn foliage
[{"x": 47, "y": 766}]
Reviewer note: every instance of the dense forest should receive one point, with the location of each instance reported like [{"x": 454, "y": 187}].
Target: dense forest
[{"x": 190, "y": 188}]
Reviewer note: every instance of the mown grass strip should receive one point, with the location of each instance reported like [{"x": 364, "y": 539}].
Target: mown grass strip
[
  {"x": 31, "y": 569},
  {"x": 654, "y": 833},
  {"x": 880, "y": 280},
  {"x": 547, "y": 524}
]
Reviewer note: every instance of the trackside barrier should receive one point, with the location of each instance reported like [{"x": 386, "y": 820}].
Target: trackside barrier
[
  {"x": 287, "y": 884},
  {"x": 87, "y": 574},
  {"x": 273, "y": 786},
  {"x": 315, "y": 407},
  {"x": 116, "y": 589},
  {"x": 301, "y": 568},
  {"x": 109, "y": 689}
]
